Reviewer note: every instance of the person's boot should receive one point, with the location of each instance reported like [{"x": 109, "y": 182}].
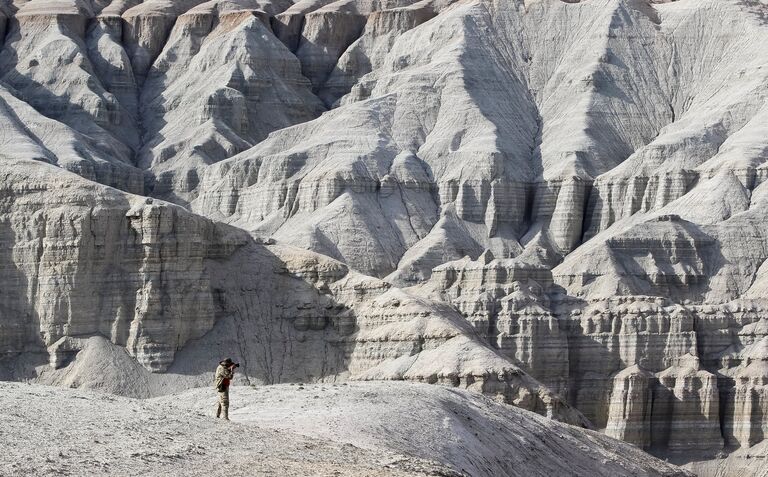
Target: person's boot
[
  {"x": 226, "y": 413},
  {"x": 218, "y": 410}
]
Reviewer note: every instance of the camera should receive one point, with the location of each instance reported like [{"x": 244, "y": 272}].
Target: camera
[{"x": 236, "y": 365}]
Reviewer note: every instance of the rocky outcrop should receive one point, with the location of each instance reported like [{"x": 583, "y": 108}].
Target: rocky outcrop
[
  {"x": 82, "y": 259},
  {"x": 402, "y": 337},
  {"x": 745, "y": 412},
  {"x": 504, "y": 300},
  {"x": 675, "y": 379},
  {"x": 630, "y": 408},
  {"x": 675, "y": 410},
  {"x": 688, "y": 409},
  {"x": 385, "y": 333}
]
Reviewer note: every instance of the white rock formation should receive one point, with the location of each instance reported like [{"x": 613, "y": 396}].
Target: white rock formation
[
  {"x": 541, "y": 118},
  {"x": 645, "y": 369},
  {"x": 572, "y": 192},
  {"x": 91, "y": 269},
  {"x": 82, "y": 259}
]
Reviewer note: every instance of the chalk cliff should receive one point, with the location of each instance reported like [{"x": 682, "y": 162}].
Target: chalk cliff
[{"x": 558, "y": 203}]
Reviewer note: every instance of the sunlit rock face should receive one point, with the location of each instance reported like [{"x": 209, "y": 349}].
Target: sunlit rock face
[
  {"x": 558, "y": 203},
  {"x": 672, "y": 378},
  {"x": 88, "y": 271},
  {"x": 494, "y": 132}
]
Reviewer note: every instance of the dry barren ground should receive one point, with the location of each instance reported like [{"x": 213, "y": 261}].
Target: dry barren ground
[
  {"x": 50, "y": 431},
  {"x": 386, "y": 428}
]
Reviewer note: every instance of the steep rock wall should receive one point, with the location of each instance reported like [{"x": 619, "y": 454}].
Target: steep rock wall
[
  {"x": 678, "y": 380},
  {"x": 92, "y": 272},
  {"x": 84, "y": 260}
]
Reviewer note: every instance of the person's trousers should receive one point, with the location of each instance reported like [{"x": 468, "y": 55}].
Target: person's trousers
[{"x": 223, "y": 406}]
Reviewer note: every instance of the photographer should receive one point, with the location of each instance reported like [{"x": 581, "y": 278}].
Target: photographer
[{"x": 224, "y": 374}]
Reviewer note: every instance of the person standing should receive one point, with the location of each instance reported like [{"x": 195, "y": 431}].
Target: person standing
[{"x": 224, "y": 374}]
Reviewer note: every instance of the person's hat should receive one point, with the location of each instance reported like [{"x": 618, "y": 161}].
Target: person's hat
[{"x": 227, "y": 361}]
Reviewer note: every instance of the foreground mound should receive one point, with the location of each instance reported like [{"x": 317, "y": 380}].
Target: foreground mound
[
  {"x": 53, "y": 431},
  {"x": 468, "y": 432},
  {"x": 338, "y": 429}
]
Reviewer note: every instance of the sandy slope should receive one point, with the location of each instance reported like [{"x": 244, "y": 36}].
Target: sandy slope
[
  {"x": 752, "y": 461},
  {"x": 51, "y": 431},
  {"x": 344, "y": 429}
]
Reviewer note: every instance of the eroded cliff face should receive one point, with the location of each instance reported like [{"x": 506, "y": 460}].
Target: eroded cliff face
[
  {"x": 91, "y": 270},
  {"x": 573, "y": 193},
  {"x": 683, "y": 379},
  {"x": 81, "y": 259}
]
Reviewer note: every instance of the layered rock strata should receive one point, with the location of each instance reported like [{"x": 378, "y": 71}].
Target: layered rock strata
[
  {"x": 87, "y": 263},
  {"x": 600, "y": 164},
  {"x": 679, "y": 379},
  {"x": 170, "y": 88},
  {"x": 83, "y": 259}
]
